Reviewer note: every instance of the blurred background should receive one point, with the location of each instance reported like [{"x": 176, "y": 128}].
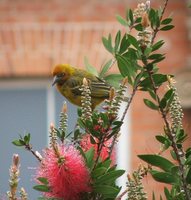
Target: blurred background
[{"x": 36, "y": 35}]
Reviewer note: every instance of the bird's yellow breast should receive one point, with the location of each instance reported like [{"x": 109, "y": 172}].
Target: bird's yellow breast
[{"x": 68, "y": 94}]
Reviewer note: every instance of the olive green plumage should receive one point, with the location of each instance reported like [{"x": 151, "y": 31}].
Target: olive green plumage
[{"x": 69, "y": 80}]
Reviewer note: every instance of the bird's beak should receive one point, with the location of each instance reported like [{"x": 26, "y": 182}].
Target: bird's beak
[{"x": 56, "y": 80}]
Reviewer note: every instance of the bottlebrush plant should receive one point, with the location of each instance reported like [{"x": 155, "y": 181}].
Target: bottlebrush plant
[{"x": 83, "y": 166}]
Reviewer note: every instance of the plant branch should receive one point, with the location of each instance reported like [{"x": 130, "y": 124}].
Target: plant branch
[
  {"x": 129, "y": 102},
  {"x": 99, "y": 149},
  {"x": 124, "y": 113},
  {"x": 164, "y": 116},
  {"x": 122, "y": 194},
  {"x": 29, "y": 148},
  {"x": 170, "y": 134},
  {"x": 157, "y": 28}
]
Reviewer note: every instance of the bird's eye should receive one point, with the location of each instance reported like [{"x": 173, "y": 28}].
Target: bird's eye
[{"x": 61, "y": 75}]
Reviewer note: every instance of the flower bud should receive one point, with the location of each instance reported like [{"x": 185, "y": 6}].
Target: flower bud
[
  {"x": 111, "y": 94},
  {"x": 16, "y": 160},
  {"x": 145, "y": 20},
  {"x": 64, "y": 107},
  {"x": 128, "y": 177},
  {"x": 125, "y": 81},
  {"x": 51, "y": 126},
  {"x": 85, "y": 82},
  {"x": 148, "y": 5}
]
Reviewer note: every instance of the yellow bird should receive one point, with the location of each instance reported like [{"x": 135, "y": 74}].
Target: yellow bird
[{"x": 69, "y": 80}]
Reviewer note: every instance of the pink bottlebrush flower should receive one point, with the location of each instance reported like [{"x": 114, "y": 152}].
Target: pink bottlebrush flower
[
  {"x": 67, "y": 175},
  {"x": 86, "y": 145}
]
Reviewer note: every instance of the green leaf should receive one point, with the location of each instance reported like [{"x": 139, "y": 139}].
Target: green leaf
[
  {"x": 117, "y": 41},
  {"x": 133, "y": 41},
  {"x": 105, "y": 69},
  {"x": 124, "y": 44},
  {"x": 43, "y": 180},
  {"x": 22, "y": 141},
  {"x": 98, "y": 172},
  {"x": 18, "y": 143},
  {"x": 164, "y": 177},
  {"x": 161, "y": 139},
  {"x": 108, "y": 43},
  {"x": 117, "y": 123},
  {"x": 181, "y": 135},
  {"x": 121, "y": 20},
  {"x": 92, "y": 140},
  {"x": 157, "y": 19},
  {"x": 105, "y": 118},
  {"x": 158, "y": 60},
  {"x": 163, "y": 103},
  {"x": 173, "y": 154},
  {"x": 42, "y": 188},
  {"x": 155, "y": 56},
  {"x": 139, "y": 27},
  {"x": 152, "y": 94},
  {"x": 131, "y": 55},
  {"x": 167, "y": 194},
  {"x": 123, "y": 64},
  {"x": 188, "y": 176},
  {"x": 79, "y": 112},
  {"x": 175, "y": 170},
  {"x": 109, "y": 177},
  {"x": 188, "y": 152},
  {"x": 150, "y": 104},
  {"x": 77, "y": 133},
  {"x": 158, "y": 80},
  {"x": 27, "y": 138},
  {"x": 138, "y": 78},
  {"x": 152, "y": 17},
  {"x": 166, "y": 21},
  {"x": 168, "y": 94},
  {"x": 138, "y": 20},
  {"x": 114, "y": 79},
  {"x": 157, "y": 45},
  {"x": 89, "y": 67},
  {"x": 167, "y": 28},
  {"x": 106, "y": 163},
  {"x": 89, "y": 157},
  {"x": 147, "y": 51},
  {"x": 81, "y": 123},
  {"x": 130, "y": 17},
  {"x": 150, "y": 67},
  {"x": 157, "y": 161},
  {"x": 127, "y": 64},
  {"x": 106, "y": 190}
]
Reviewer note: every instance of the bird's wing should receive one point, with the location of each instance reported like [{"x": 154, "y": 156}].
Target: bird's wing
[
  {"x": 75, "y": 85},
  {"x": 99, "y": 88}
]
